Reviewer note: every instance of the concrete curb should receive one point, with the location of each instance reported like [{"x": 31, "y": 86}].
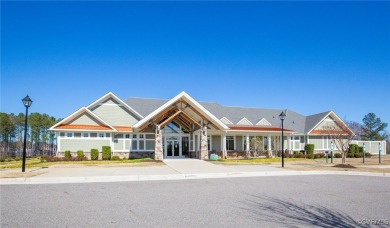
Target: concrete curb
[{"x": 65, "y": 180}]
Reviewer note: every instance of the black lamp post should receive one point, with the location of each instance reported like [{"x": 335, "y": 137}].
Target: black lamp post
[
  {"x": 282, "y": 116},
  {"x": 27, "y": 103}
]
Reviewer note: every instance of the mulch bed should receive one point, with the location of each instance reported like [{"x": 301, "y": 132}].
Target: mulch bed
[{"x": 344, "y": 166}]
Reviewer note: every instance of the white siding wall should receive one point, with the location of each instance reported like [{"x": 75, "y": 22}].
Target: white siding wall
[
  {"x": 83, "y": 144},
  {"x": 85, "y": 119},
  {"x": 115, "y": 114}
]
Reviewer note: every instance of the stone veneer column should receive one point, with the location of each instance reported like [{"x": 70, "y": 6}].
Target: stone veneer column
[
  {"x": 158, "y": 149},
  {"x": 204, "y": 153}
]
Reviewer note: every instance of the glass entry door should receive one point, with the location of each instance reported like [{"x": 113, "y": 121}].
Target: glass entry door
[{"x": 173, "y": 147}]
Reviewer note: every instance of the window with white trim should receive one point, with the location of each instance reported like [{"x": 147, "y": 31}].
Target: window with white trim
[
  {"x": 85, "y": 135},
  {"x": 69, "y": 134},
  {"x": 229, "y": 142},
  {"x": 101, "y": 135}
]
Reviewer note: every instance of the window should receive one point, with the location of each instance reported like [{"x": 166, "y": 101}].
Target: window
[
  {"x": 134, "y": 144},
  {"x": 229, "y": 142},
  {"x": 69, "y": 135},
  {"x": 127, "y": 136},
  {"x": 142, "y": 142},
  {"x": 85, "y": 135},
  {"x": 77, "y": 135},
  {"x": 101, "y": 135}
]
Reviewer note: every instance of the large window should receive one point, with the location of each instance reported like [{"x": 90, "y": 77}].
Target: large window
[
  {"x": 142, "y": 142},
  {"x": 229, "y": 142}
]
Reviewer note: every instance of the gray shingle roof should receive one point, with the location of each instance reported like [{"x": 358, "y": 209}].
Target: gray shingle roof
[
  {"x": 312, "y": 120},
  {"x": 293, "y": 121}
]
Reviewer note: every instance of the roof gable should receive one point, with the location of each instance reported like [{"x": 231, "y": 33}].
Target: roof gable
[
  {"x": 244, "y": 121},
  {"x": 79, "y": 120},
  {"x": 329, "y": 121},
  {"x": 263, "y": 122},
  {"x": 226, "y": 121},
  {"x": 112, "y": 99},
  {"x": 189, "y": 100}
]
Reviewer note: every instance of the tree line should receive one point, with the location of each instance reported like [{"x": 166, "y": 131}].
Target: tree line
[
  {"x": 372, "y": 129},
  {"x": 39, "y": 138}
]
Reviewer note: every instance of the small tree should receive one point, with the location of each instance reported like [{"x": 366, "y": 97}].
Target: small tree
[
  {"x": 309, "y": 148},
  {"x": 341, "y": 136}
]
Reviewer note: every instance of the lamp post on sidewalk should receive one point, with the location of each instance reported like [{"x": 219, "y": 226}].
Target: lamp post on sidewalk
[
  {"x": 380, "y": 150},
  {"x": 27, "y": 103},
  {"x": 282, "y": 116}
]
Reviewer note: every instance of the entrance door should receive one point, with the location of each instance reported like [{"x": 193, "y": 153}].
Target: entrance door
[{"x": 173, "y": 147}]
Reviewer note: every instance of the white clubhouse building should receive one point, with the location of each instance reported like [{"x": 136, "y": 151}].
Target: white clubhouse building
[{"x": 184, "y": 127}]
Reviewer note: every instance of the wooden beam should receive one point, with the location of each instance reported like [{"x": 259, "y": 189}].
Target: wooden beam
[
  {"x": 200, "y": 114},
  {"x": 169, "y": 119},
  {"x": 190, "y": 119},
  {"x": 156, "y": 118},
  {"x": 183, "y": 122}
]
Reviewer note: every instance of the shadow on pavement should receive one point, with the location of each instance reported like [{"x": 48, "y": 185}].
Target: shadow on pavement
[{"x": 293, "y": 214}]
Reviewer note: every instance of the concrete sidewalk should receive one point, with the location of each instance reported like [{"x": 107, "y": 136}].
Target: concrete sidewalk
[{"x": 174, "y": 169}]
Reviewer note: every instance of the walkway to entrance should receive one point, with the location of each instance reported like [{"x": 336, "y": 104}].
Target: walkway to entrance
[{"x": 195, "y": 166}]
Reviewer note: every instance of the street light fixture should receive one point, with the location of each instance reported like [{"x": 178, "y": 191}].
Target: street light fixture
[
  {"x": 282, "y": 116},
  {"x": 27, "y": 103}
]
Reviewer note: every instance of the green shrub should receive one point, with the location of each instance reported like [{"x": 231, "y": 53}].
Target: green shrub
[
  {"x": 310, "y": 156},
  {"x": 124, "y": 158},
  {"x": 115, "y": 158},
  {"x": 68, "y": 155},
  {"x": 338, "y": 155},
  {"x": 80, "y": 154},
  {"x": 2, "y": 159},
  {"x": 309, "y": 148},
  {"x": 296, "y": 152},
  {"x": 353, "y": 148},
  {"x": 360, "y": 149},
  {"x": 18, "y": 158},
  {"x": 350, "y": 155},
  {"x": 94, "y": 154},
  {"x": 106, "y": 152}
]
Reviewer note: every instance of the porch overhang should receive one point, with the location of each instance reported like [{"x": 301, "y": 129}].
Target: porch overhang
[{"x": 259, "y": 129}]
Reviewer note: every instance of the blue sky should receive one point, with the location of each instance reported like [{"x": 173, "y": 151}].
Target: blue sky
[{"x": 306, "y": 56}]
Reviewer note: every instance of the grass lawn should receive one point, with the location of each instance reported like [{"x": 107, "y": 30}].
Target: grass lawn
[{"x": 36, "y": 162}]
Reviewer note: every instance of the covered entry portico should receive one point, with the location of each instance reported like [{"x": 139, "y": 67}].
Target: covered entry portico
[{"x": 179, "y": 125}]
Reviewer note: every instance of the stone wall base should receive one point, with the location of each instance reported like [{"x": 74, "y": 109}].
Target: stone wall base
[{"x": 139, "y": 154}]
